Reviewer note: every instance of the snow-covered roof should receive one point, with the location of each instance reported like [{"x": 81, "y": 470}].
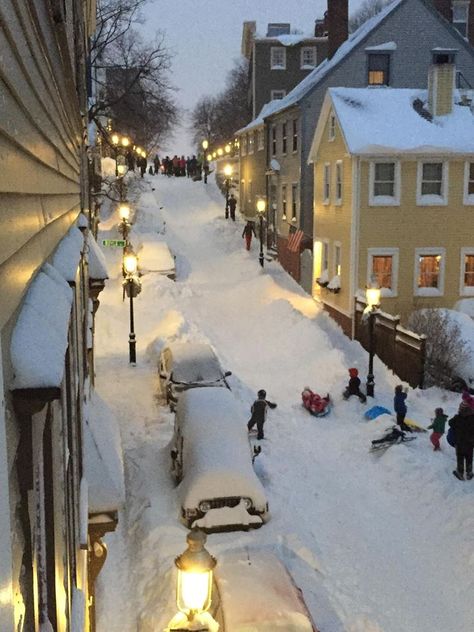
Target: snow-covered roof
[
  {"x": 194, "y": 362},
  {"x": 325, "y": 67},
  {"x": 68, "y": 253},
  {"x": 155, "y": 256},
  {"x": 287, "y": 39},
  {"x": 382, "y": 47},
  {"x": 40, "y": 336},
  {"x": 97, "y": 263},
  {"x": 216, "y": 454},
  {"x": 243, "y": 574},
  {"x": 103, "y": 464},
  {"x": 266, "y": 111},
  {"x": 383, "y": 120}
]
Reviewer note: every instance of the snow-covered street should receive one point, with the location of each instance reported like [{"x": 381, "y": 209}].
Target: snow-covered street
[{"x": 377, "y": 542}]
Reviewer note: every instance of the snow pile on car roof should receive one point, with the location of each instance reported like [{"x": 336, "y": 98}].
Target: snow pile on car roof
[{"x": 194, "y": 362}]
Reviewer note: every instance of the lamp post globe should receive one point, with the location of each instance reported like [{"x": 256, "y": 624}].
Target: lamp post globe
[
  {"x": 132, "y": 288},
  {"x": 261, "y": 207},
  {"x": 372, "y": 295}
]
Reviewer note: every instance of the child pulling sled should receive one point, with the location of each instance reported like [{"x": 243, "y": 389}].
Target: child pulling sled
[{"x": 314, "y": 403}]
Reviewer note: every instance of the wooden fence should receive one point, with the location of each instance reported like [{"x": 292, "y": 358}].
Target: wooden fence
[{"x": 401, "y": 350}]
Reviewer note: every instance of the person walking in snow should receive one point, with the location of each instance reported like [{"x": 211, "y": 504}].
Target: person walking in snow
[
  {"x": 156, "y": 164},
  {"x": 463, "y": 428},
  {"x": 437, "y": 426},
  {"x": 400, "y": 407},
  {"x": 232, "y": 206},
  {"x": 259, "y": 412},
  {"x": 249, "y": 230},
  {"x": 353, "y": 388}
]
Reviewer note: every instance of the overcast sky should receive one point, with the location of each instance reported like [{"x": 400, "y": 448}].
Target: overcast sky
[{"x": 204, "y": 37}]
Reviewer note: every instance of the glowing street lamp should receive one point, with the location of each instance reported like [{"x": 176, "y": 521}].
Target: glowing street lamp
[
  {"x": 228, "y": 181},
  {"x": 115, "y": 139},
  {"x": 205, "y": 144},
  {"x": 124, "y": 212},
  {"x": 220, "y": 151},
  {"x": 205, "y": 160},
  {"x": 132, "y": 287},
  {"x": 372, "y": 296},
  {"x": 125, "y": 141},
  {"x": 194, "y": 584},
  {"x": 261, "y": 208},
  {"x": 209, "y": 157},
  {"x": 227, "y": 148}
]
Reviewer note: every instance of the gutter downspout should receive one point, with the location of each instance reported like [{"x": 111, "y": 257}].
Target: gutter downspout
[{"x": 355, "y": 229}]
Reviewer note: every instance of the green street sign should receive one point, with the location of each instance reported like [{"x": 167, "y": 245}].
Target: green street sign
[{"x": 114, "y": 243}]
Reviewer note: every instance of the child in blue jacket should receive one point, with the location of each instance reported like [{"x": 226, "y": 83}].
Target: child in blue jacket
[{"x": 400, "y": 407}]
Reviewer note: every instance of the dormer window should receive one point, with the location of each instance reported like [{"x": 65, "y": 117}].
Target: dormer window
[
  {"x": 378, "y": 69},
  {"x": 278, "y": 58},
  {"x": 461, "y": 16}
]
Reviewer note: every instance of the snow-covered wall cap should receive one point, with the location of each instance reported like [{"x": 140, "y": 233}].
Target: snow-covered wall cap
[
  {"x": 68, "y": 253},
  {"x": 381, "y": 121},
  {"x": 40, "y": 337},
  {"x": 97, "y": 262},
  {"x": 288, "y": 39},
  {"x": 103, "y": 463},
  {"x": 82, "y": 221},
  {"x": 385, "y": 46}
]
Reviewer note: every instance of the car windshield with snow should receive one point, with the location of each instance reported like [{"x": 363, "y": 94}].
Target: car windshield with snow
[
  {"x": 212, "y": 460},
  {"x": 185, "y": 365}
]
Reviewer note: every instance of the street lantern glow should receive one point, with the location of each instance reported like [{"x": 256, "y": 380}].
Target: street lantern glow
[
  {"x": 228, "y": 171},
  {"x": 125, "y": 141},
  {"x": 195, "y": 567},
  {"x": 130, "y": 263},
  {"x": 122, "y": 170},
  {"x": 205, "y": 144},
  {"x": 124, "y": 212},
  {"x": 214, "y": 154},
  {"x": 209, "y": 157},
  {"x": 115, "y": 139},
  {"x": 372, "y": 294},
  {"x": 220, "y": 151},
  {"x": 138, "y": 150},
  {"x": 261, "y": 206},
  {"x": 227, "y": 149}
]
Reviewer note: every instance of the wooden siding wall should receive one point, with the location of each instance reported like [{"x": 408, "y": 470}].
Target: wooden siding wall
[{"x": 40, "y": 136}]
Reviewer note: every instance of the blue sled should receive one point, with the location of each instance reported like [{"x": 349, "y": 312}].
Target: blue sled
[
  {"x": 325, "y": 412},
  {"x": 376, "y": 411}
]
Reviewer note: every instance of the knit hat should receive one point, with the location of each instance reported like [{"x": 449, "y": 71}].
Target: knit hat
[{"x": 353, "y": 372}]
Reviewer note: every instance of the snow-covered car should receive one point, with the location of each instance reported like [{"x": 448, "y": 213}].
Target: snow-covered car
[
  {"x": 259, "y": 580},
  {"x": 212, "y": 459},
  {"x": 155, "y": 256},
  {"x": 186, "y": 365}
]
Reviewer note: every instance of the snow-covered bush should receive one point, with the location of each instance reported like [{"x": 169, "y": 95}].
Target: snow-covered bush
[{"x": 446, "y": 349}]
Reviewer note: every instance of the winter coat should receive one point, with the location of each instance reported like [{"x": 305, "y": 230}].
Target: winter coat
[
  {"x": 232, "y": 203},
  {"x": 259, "y": 409},
  {"x": 354, "y": 386},
  {"x": 439, "y": 422},
  {"x": 463, "y": 427},
  {"x": 399, "y": 402},
  {"x": 248, "y": 230}
]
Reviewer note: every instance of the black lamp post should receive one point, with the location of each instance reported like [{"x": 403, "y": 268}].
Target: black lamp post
[
  {"x": 115, "y": 141},
  {"x": 261, "y": 206},
  {"x": 205, "y": 145},
  {"x": 227, "y": 183},
  {"x": 132, "y": 288},
  {"x": 372, "y": 294}
]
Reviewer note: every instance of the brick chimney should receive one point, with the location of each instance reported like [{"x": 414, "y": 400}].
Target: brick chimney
[
  {"x": 444, "y": 7},
  {"x": 441, "y": 81},
  {"x": 337, "y": 19},
  {"x": 320, "y": 29}
]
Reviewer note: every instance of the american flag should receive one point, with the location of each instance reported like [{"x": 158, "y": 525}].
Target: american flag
[{"x": 294, "y": 240}]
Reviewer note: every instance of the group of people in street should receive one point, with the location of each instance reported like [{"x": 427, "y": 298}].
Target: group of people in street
[{"x": 190, "y": 167}]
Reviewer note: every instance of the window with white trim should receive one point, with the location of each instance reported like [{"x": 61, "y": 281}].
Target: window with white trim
[
  {"x": 432, "y": 183},
  {"x": 251, "y": 141},
  {"x": 429, "y": 271},
  {"x": 337, "y": 259},
  {"x": 382, "y": 263},
  {"x": 295, "y": 134},
  {"x": 384, "y": 183},
  {"x": 332, "y": 127},
  {"x": 325, "y": 257},
  {"x": 460, "y": 14},
  {"x": 327, "y": 183},
  {"x": 276, "y": 95},
  {"x": 379, "y": 69},
  {"x": 469, "y": 183},
  {"x": 274, "y": 140},
  {"x": 467, "y": 272},
  {"x": 260, "y": 139},
  {"x": 339, "y": 182},
  {"x": 283, "y": 138},
  {"x": 283, "y": 202},
  {"x": 294, "y": 201},
  {"x": 308, "y": 57},
  {"x": 278, "y": 58}
]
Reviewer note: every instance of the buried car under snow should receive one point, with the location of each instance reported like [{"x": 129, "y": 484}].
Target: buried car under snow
[
  {"x": 212, "y": 458},
  {"x": 185, "y": 365}
]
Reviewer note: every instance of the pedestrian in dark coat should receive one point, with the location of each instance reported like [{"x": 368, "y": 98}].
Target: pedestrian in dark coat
[
  {"x": 156, "y": 164},
  {"x": 259, "y": 412},
  {"x": 249, "y": 230},
  {"x": 353, "y": 388},
  {"x": 143, "y": 165},
  {"x": 463, "y": 427},
  {"x": 437, "y": 426},
  {"x": 400, "y": 407},
  {"x": 232, "y": 206}
]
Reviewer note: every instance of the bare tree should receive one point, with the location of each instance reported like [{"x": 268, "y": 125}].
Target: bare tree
[
  {"x": 367, "y": 10},
  {"x": 204, "y": 120},
  {"x": 445, "y": 348}
]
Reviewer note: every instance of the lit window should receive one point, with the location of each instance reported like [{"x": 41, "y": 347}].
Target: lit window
[
  {"x": 274, "y": 141},
  {"x": 429, "y": 271},
  {"x": 469, "y": 183},
  {"x": 277, "y": 94},
  {"x": 283, "y": 201},
  {"x": 384, "y": 189},
  {"x": 383, "y": 265},
  {"x": 379, "y": 66},
  {"x": 338, "y": 182},
  {"x": 337, "y": 259},
  {"x": 325, "y": 257},
  {"x": 432, "y": 177},
  {"x": 332, "y": 127},
  {"x": 295, "y": 134},
  {"x": 327, "y": 183},
  {"x": 308, "y": 57},
  {"x": 467, "y": 272},
  {"x": 461, "y": 16},
  {"x": 283, "y": 138},
  {"x": 278, "y": 58},
  {"x": 294, "y": 200},
  {"x": 382, "y": 270},
  {"x": 260, "y": 139}
]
